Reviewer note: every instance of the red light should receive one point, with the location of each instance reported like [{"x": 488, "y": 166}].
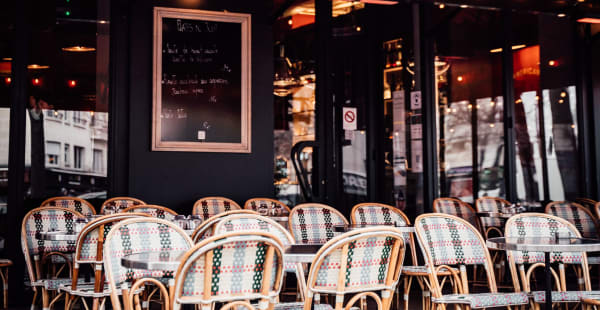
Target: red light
[
  {"x": 460, "y": 78},
  {"x": 589, "y": 20},
  {"x": 37, "y": 82},
  {"x": 7, "y": 80},
  {"x": 72, "y": 83},
  {"x": 553, "y": 63}
]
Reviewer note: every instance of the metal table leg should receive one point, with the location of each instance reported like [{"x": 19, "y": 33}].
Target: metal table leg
[{"x": 548, "y": 305}]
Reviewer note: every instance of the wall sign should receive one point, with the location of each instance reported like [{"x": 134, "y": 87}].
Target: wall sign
[
  {"x": 201, "y": 81},
  {"x": 349, "y": 118}
]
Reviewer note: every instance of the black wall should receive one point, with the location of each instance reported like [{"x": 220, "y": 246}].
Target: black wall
[{"x": 178, "y": 179}]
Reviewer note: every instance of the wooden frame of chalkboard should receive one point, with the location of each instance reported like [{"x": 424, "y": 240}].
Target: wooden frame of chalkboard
[{"x": 201, "y": 81}]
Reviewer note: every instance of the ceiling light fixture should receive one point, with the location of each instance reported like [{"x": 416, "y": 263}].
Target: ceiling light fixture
[
  {"x": 37, "y": 67},
  {"x": 78, "y": 49},
  {"x": 383, "y": 2},
  {"x": 589, "y": 20},
  {"x": 561, "y": 15}
]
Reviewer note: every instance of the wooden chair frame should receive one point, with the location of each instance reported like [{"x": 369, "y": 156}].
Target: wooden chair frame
[
  {"x": 46, "y": 202},
  {"x": 309, "y": 205},
  {"x": 210, "y": 222},
  {"x": 198, "y": 203},
  {"x": 35, "y": 269},
  {"x": 129, "y": 293},
  {"x": 206, "y": 246},
  {"x": 157, "y": 207},
  {"x": 459, "y": 279},
  {"x": 99, "y": 224},
  {"x": 525, "y": 275},
  {"x": 299, "y": 268},
  {"x": 285, "y": 207},
  {"x": 107, "y": 201},
  {"x": 464, "y": 205},
  {"x": 421, "y": 278},
  {"x": 578, "y": 206},
  {"x": 343, "y": 241}
]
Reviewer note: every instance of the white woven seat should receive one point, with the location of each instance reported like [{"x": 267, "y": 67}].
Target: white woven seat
[
  {"x": 485, "y": 300},
  {"x": 300, "y": 306},
  {"x": 568, "y": 296}
]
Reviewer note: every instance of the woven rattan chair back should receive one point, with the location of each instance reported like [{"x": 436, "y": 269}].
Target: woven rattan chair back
[
  {"x": 44, "y": 219},
  {"x": 313, "y": 223},
  {"x": 457, "y": 208},
  {"x": 279, "y": 207},
  {"x": 206, "y": 229},
  {"x": 208, "y": 207},
  {"x": 361, "y": 261},
  {"x": 543, "y": 226},
  {"x": 242, "y": 266},
  {"x": 451, "y": 241},
  {"x": 121, "y": 203},
  {"x": 138, "y": 235},
  {"x": 154, "y": 211},
  {"x": 578, "y": 215},
  {"x": 489, "y": 224},
  {"x": 74, "y": 203},
  {"x": 372, "y": 213}
]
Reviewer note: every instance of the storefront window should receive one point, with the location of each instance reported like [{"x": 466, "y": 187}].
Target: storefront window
[
  {"x": 67, "y": 109},
  {"x": 7, "y": 26},
  {"x": 546, "y": 126},
  {"x": 294, "y": 97},
  {"x": 469, "y": 100}
]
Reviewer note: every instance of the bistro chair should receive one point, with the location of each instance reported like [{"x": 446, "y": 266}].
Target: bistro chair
[
  {"x": 77, "y": 204},
  {"x": 154, "y": 211},
  {"x": 448, "y": 241},
  {"x": 4, "y": 265},
  {"x": 360, "y": 263},
  {"x": 493, "y": 227},
  {"x": 120, "y": 204},
  {"x": 88, "y": 251},
  {"x": 492, "y": 224},
  {"x": 242, "y": 267},
  {"x": 576, "y": 214},
  {"x": 255, "y": 222},
  {"x": 457, "y": 208},
  {"x": 38, "y": 252},
  {"x": 206, "y": 229},
  {"x": 371, "y": 213},
  {"x": 523, "y": 263},
  {"x": 210, "y": 206},
  {"x": 313, "y": 223},
  {"x": 586, "y": 202},
  {"x": 134, "y": 236},
  {"x": 268, "y": 204}
]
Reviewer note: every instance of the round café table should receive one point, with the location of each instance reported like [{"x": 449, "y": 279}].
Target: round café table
[
  {"x": 60, "y": 235},
  {"x": 546, "y": 245},
  {"x": 351, "y": 227},
  {"x": 63, "y": 235},
  {"x": 169, "y": 261}
]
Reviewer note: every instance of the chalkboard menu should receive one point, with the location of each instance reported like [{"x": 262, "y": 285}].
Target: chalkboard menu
[{"x": 201, "y": 99}]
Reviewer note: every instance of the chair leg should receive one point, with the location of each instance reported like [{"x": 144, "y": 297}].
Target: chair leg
[
  {"x": 45, "y": 299},
  {"x": 4, "y": 274},
  {"x": 407, "y": 284}
]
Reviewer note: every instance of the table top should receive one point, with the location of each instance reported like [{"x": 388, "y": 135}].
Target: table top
[
  {"x": 169, "y": 261},
  {"x": 544, "y": 244},
  {"x": 165, "y": 260},
  {"x": 495, "y": 214},
  {"x": 347, "y": 228},
  {"x": 60, "y": 235}
]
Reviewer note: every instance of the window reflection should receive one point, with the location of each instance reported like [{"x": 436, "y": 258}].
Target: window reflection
[
  {"x": 67, "y": 115},
  {"x": 545, "y": 109}
]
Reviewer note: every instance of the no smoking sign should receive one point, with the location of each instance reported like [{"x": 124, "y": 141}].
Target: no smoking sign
[{"x": 349, "y": 118}]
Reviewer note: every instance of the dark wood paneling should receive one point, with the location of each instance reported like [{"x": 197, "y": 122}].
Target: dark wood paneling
[{"x": 177, "y": 179}]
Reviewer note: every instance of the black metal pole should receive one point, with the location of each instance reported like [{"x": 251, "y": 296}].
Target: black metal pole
[
  {"x": 16, "y": 155},
  {"x": 508, "y": 91}
]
